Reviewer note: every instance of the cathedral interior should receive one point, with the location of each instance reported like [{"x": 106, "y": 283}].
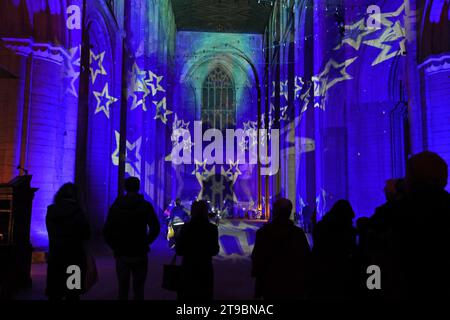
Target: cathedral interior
[{"x": 327, "y": 100}]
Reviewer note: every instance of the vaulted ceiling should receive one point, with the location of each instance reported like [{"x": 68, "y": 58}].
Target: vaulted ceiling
[{"x": 236, "y": 16}]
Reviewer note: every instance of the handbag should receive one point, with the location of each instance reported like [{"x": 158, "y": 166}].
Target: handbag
[
  {"x": 171, "y": 275},
  {"x": 170, "y": 232}
]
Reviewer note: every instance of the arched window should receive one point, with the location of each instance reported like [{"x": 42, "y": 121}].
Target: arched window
[{"x": 218, "y": 98}]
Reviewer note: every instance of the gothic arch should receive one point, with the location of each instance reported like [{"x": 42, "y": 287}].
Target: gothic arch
[{"x": 218, "y": 104}]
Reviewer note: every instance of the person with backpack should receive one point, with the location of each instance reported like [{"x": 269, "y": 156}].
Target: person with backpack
[{"x": 130, "y": 228}]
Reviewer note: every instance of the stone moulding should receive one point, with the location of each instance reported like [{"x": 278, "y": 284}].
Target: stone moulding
[
  {"x": 44, "y": 51},
  {"x": 436, "y": 63}
]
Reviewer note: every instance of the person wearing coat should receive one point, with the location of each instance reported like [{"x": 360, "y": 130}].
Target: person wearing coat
[
  {"x": 130, "y": 228},
  {"x": 198, "y": 242},
  {"x": 281, "y": 257},
  {"x": 68, "y": 229}
]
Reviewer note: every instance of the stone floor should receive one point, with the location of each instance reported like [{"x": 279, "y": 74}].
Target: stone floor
[{"x": 232, "y": 277}]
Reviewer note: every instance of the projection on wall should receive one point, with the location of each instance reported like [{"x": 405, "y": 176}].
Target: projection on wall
[{"x": 181, "y": 84}]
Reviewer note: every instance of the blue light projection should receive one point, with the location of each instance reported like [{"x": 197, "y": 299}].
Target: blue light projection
[{"x": 326, "y": 79}]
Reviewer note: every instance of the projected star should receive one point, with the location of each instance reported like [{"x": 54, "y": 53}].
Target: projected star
[
  {"x": 137, "y": 77},
  {"x": 72, "y": 69},
  {"x": 250, "y": 129},
  {"x": 320, "y": 91},
  {"x": 249, "y": 125},
  {"x": 186, "y": 142},
  {"x": 298, "y": 86},
  {"x": 184, "y": 125},
  {"x": 320, "y": 102},
  {"x": 133, "y": 155},
  {"x": 338, "y": 68},
  {"x": 140, "y": 99},
  {"x": 283, "y": 113},
  {"x": 138, "y": 90},
  {"x": 75, "y": 55},
  {"x": 271, "y": 116},
  {"x": 354, "y": 34},
  {"x": 243, "y": 145},
  {"x": 73, "y": 75},
  {"x": 217, "y": 188},
  {"x": 233, "y": 171},
  {"x": 154, "y": 82},
  {"x": 96, "y": 65},
  {"x": 284, "y": 89},
  {"x": 161, "y": 110},
  {"x": 385, "y": 17},
  {"x": 104, "y": 100},
  {"x": 305, "y": 97},
  {"x": 395, "y": 35},
  {"x": 201, "y": 173},
  {"x": 200, "y": 169},
  {"x": 176, "y": 123}
]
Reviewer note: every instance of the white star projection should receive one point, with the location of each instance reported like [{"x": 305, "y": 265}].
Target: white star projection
[
  {"x": 140, "y": 99},
  {"x": 161, "y": 110},
  {"x": 250, "y": 125},
  {"x": 179, "y": 128},
  {"x": 250, "y": 129},
  {"x": 153, "y": 82},
  {"x": 283, "y": 89},
  {"x": 305, "y": 97},
  {"x": 233, "y": 171},
  {"x": 341, "y": 67},
  {"x": 354, "y": 34},
  {"x": 75, "y": 55},
  {"x": 72, "y": 64},
  {"x": 202, "y": 173},
  {"x": 132, "y": 167},
  {"x": 298, "y": 86},
  {"x": 320, "y": 85},
  {"x": 138, "y": 78},
  {"x": 396, "y": 35},
  {"x": 200, "y": 170},
  {"x": 243, "y": 145},
  {"x": 384, "y": 19},
  {"x": 99, "y": 69},
  {"x": 104, "y": 100},
  {"x": 217, "y": 188},
  {"x": 180, "y": 124},
  {"x": 138, "y": 89},
  {"x": 283, "y": 113}
]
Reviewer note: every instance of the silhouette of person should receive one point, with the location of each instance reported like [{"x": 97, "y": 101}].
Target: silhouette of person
[
  {"x": 198, "y": 242},
  {"x": 419, "y": 239},
  {"x": 374, "y": 239},
  {"x": 394, "y": 190},
  {"x": 178, "y": 217},
  {"x": 68, "y": 229},
  {"x": 131, "y": 226},
  {"x": 334, "y": 245},
  {"x": 281, "y": 257}
]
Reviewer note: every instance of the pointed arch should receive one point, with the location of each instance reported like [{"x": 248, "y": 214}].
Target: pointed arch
[{"x": 218, "y": 99}]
